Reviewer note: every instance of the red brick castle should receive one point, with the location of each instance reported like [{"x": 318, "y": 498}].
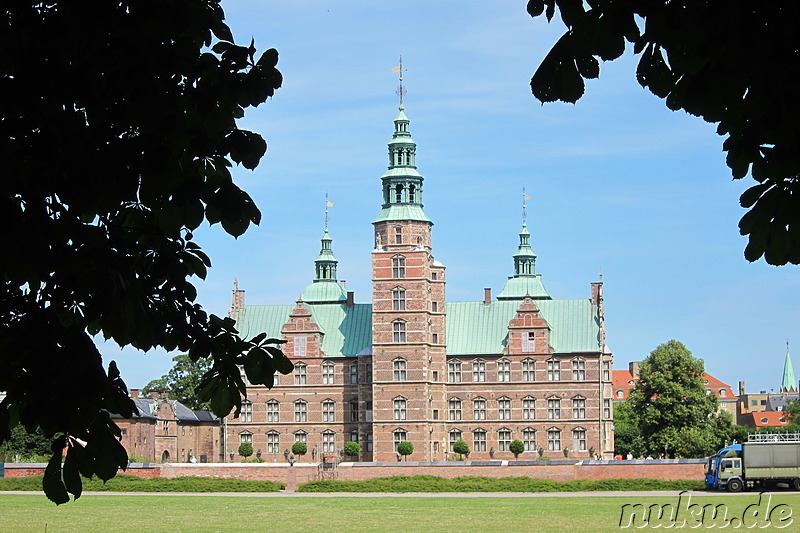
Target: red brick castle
[{"x": 410, "y": 366}]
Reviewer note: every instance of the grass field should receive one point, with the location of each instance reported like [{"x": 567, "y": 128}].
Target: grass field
[{"x": 111, "y": 513}]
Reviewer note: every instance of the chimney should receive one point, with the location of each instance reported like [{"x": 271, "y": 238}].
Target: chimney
[
  {"x": 633, "y": 367},
  {"x": 343, "y": 283},
  {"x": 237, "y": 303},
  {"x": 741, "y": 388},
  {"x": 135, "y": 394},
  {"x": 350, "y": 299},
  {"x": 487, "y": 295}
]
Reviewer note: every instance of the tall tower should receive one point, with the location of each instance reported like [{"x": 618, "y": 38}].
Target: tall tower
[
  {"x": 788, "y": 382},
  {"x": 408, "y": 312}
]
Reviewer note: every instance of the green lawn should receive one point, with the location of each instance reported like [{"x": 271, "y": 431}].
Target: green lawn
[{"x": 109, "y": 513}]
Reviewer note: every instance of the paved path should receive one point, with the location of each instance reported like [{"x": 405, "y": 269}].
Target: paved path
[{"x": 290, "y": 494}]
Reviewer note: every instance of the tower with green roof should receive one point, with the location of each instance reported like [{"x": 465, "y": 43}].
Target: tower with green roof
[
  {"x": 325, "y": 288},
  {"x": 525, "y": 281},
  {"x": 788, "y": 383}
]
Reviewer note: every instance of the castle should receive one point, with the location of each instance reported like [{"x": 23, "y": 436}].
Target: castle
[{"x": 411, "y": 366}]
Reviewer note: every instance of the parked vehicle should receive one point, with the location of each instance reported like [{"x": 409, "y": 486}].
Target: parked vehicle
[{"x": 763, "y": 461}]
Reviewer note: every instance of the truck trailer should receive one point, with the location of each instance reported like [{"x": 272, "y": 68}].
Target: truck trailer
[{"x": 763, "y": 461}]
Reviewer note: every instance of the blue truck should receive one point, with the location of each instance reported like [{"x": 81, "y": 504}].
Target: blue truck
[{"x": 762, "y": 462}]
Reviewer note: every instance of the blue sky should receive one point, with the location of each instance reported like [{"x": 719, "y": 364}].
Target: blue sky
[{"x": 617, "y": 181}]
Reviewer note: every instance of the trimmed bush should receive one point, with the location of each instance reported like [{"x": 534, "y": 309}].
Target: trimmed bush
[
  {"x": 352, "y": 449},
  {"x": 484, "y": 484},
  {"x": 516, "y": 447},
  {"x": 405, "y": 448},
  {"x": 245, "y": 449},
  {"x": 299, "y": 448},
  {"x": 460, "y": 447}
]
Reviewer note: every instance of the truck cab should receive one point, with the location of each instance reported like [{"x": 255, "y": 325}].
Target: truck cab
[{"x": 764, "y": 461}]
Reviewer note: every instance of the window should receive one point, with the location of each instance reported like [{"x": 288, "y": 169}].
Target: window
[
  {"x": 606, "y": 370},
  {"x": 579, "y": 370},
  {"x": 503, "y": 370},
  {"x": 455, "y": 436},
  {"x": 354, "y": 436},
  {"x": 246, "y": 437},
  {"x": 528, "y": 370},
  {"x": 436, "y": 414},
  {"x": 301, "y": 436},
  {"x": 399, "y": 408},
  {"x": 398, "y": 235},
  {"x": 504, "y": 408},
  {"x": 435, "y": 375},
  {"x": 399, "y": 329},
  {"x": 328, "y": 441},
  {"x": 398, "y": 266},
  {"x": 273, "y": 442},
  {"x": 504, "y": 439},
  {"x": 353, "y": 410},
  {"x": 433, "y": 275},
  {"x": 300, "y": 346},
  {"x": 478, "y": 370},
  {"x": 300, "y": 372},
  {"x": 246, "y": 414},
  {"x": 354, "y": 374},
  {"x": 529, "y": 439},
  {"x": 554, "y": 439},
  {"x": 399, "y": 367},
  {"x": 454, "y": 371},
  {"x": 620, "y": 394},
  {"x": 528, "y": 408},
  {"x": 300, "y": 411},
  {"x": 328, "y": 412},
  {"x": 273, "y": 413},
  {"x": 479, "y": 409},
  {"x": 434, "y": 307},
  {"x": 165, "y": 426},
  {"x": 369, "y": 441},
  {"x": 528, "y": 342},
  {"x": 554, "y": 408},
  {"x": 607, "y": 409},
  {"x": 435, "y": 339},
  {"x": 399, "y": 299},
  {"x": 398, "y": 190},
  {"x": 723, "y": 393},
  {"x": 455, "y": 409},
  {"x": 399, "y": 435},
  {"x": 579, "y": 408},
  {"x": 553, "y": 370},
  {"x": 479, "y": 440},
  {"x": 579, "y": 439},
  {"x": 327, "y": 374}
]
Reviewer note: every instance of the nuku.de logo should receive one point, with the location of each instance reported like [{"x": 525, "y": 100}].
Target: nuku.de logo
[{"x": 686, "y": 514}]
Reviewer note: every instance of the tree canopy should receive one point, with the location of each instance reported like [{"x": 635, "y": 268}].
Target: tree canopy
[
  {"x": 182, "y": 380},
  {"x": 119, "y": 131},
  {"x": 670, "y": 409},
  {"x": 731, "y": 63}
]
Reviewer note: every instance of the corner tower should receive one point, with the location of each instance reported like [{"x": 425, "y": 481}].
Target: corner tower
[{"x": 408, "y": 312}]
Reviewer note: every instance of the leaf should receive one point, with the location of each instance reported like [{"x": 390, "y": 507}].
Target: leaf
[
  {"x": 751, "y": 195},
  {"x": 535, "y": 7},
  {"x": 282, "y": 363},
  {"x": 53, "y": 487},
  {"x": 588, "y": 67},
  {"x": 72, "y": 477}
]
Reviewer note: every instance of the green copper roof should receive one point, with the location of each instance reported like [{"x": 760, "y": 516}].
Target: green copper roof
[
  {"x": 402, "y": 212},
  {"x": 324, "y": 291},
  {"x": 789, "y": 383},
  {"x": 518, "y": 287},
  {"x": 347, "y": 331},
  {"x": 477, "y": 328}
]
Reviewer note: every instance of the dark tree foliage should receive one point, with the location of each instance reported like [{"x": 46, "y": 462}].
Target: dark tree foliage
[
  {"x": 405, "y": 448},
  {"x": 731, "y": 63},
  {"x": 118, "y": 128},
  {"x": 182, "y": 380},
  {"x": 245, "y": 449},
  {"x": 516, "y": 447},
  {"x": 24, "y": 443},
  {"x": 461, "y": 447},
  {"x": 352, "y": 448},
  {"x": 299, "y": 448}
]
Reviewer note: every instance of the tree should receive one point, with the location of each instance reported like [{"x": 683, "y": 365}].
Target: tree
[
  {"x": 627, "y": 438},
  {"x": 24, "y": 443},
  {"x": 461, "y": 447},
  {"x": 405, "y": 448},
  {"x": 728, "y": 63},
  {"x": 119, "y": 131},
  {"x": 299, "y": 448},
  {"x": 181, "y": 381},
  {"x": 245, "y": 449},
  {"x": 792, "y": 411},
  {"x": 670, "y": 406},
  {"x": 516, "y": 447},
  {"x": 352, "y": 449}
]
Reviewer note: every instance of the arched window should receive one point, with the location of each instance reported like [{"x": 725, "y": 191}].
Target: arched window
[
  {"x": 328, "y": 411},
  {"x": 554, "y": 439},
  {"x": 479, "y": 440},
  {"x": 503, "y": 370},
  {"x": 300, "y": 411},
  {"x": 273, "y": 411},
  {"x": 398, "y": 266},
  {"x": 399, "y": 331},
  {"x": 528, "y": 370},
  {"x": 454, "y": 371},
  {"x": 327, "y": 374},
  {"x": 273, "y": 442},
  {"x": 455, "y": 409},
  {"x": 504, "y": 408},
  {"x": 399, "y": 369},
  {"x": 398, "y": 192},
  {"x": 579, "y": 407},
  {"x": 411, "y": 188},
  {"x": 300, "y": 373},
  {"x": 479, "y": 409},
  {"x": 579, "y": 439},
  {"x": 529, "y": 439},
  {"x": 529, "y": 408},
  {"x": 399, "y": 405},
  {"x": 328, "y": 441}
]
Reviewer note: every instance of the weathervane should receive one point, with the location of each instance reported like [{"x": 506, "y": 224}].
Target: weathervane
[
  {"x": 327, "y": 205},
  {"x": 399, "y": 70},
  {"x": 525, "y": 197}
]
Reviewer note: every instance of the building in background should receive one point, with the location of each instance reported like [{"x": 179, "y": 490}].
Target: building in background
[{"x": 411, "y": 366}]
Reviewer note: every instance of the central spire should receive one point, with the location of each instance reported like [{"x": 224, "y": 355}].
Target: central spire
[
  {"x": 525, "y": 281},
  {"x": 788, "y": 383}
]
